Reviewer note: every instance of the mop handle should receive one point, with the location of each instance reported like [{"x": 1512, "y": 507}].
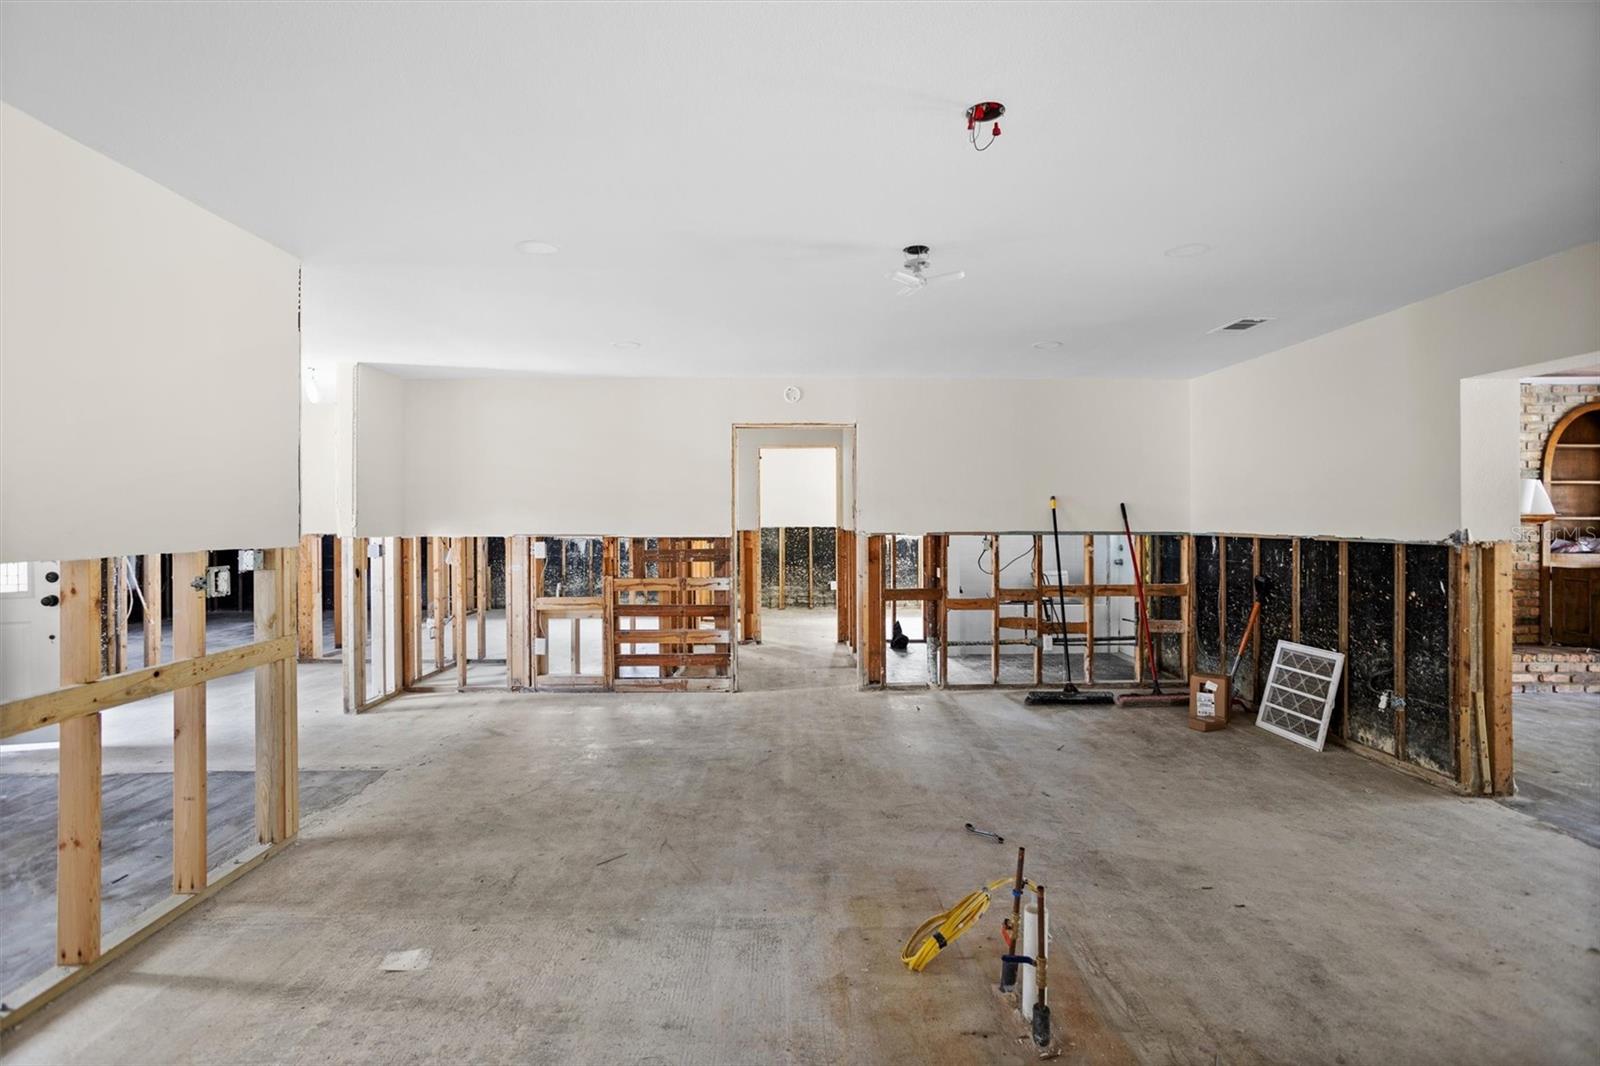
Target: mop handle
[{"x": 1061, "y": 591}]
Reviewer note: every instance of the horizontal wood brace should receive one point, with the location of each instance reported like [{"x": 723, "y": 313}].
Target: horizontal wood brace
[
  {"x": 673, "y": 684},
  {"x": 671, "y": 610},
  {"x": 557, "y": 603},
  {"x": 671, "y": 584},
  {"x": 34, "y": 712},
  {"x": 719, "y": 659},
  {"x": 671, "y": 636},
  {"x": 986, "y": 603}
]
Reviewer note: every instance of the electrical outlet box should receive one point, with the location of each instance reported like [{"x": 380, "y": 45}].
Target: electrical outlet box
[
  {"x": 219, "y": 582},
  {"x": 251, "y": 560},
  {"x": 540, "y": 549},
  {"x": 540, "y": 645},
  {"x": 374, "y": 549}
]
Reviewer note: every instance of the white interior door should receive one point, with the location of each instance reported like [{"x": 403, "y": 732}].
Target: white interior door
[{"x": 29, "y": 659}]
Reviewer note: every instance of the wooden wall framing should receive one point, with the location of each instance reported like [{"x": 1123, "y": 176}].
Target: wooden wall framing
[
  {"x": 1031, "y": 626},
  {"x": 1477, "y": 618},
  {"x": 94, "y": 683}
]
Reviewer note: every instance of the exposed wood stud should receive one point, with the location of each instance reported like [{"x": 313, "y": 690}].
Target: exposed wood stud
[
  {"x": 872, "y": 634},
  {"x": 275, "y": 584},
  {"x": 354, "y": 594},
  {"x": 482, "y": 587},
  {"x": 1399, "y": 684},
  {"x": 338, "y": 592},
  {"x": 151, "y": 584},
  {"x": 189, "y": 726},
  {"x": 78, "y": 798},
  {"x": 1498, "y": 611},
  {"x": 460, "y": 567},
  {"x": 308, "y": 618},
  {"x": 1344, "y": 636}
]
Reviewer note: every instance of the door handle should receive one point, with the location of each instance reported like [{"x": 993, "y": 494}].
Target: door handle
[{"x": 50, "y": 600}]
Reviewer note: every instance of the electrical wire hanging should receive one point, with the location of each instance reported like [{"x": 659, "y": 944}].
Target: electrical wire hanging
[{"x": 1004, "y": 566}]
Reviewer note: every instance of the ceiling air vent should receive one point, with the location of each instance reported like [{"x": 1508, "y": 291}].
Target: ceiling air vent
[{"x": 1240, "y": 324}]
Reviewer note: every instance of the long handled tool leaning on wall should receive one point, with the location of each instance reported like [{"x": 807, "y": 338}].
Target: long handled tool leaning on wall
[
  {"x": 1070, "y": 693},
  {"x": 1263, "y": 589},
  {"x": 1155, "y": 697}
]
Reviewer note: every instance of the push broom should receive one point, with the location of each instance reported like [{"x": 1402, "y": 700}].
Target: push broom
[
  {"x": 1070, "y": 693},
  {"x": 1155, "y": 697}
]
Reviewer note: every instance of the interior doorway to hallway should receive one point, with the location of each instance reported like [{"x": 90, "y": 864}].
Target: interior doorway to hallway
[{"x": 794, "y": 509}]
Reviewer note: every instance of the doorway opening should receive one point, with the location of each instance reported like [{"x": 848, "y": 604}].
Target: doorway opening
[{"x": 793, "y": 509}]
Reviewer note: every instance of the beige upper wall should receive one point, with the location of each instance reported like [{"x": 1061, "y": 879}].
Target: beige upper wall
[
  {"x": 319, "y": 467},
  {"x": 149, "y": 364},
  {"x": 654, "y": 457},
  {"x": 1359, "y": 433}
]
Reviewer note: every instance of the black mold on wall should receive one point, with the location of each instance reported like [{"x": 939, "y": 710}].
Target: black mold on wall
[
  {"x": 769, "y": 566},
  {"x": 1429, "y": 742},
  {"x": 824, "y": 547},
  {"x": 796, "y": 565},
  {"x": 1240, "y": 562},
  {"x": 1166, "y": 566},
  {"x": 1370, "y": 659},
  {"x": 796, "y": 547},
  {"x": 1277, "y": 612},
  {"x": 905, "y": 561},
  {"x": 1319, "y": 607},
  {"x": 1207, "y": 652},
  {"x": 572, "y": 566}
]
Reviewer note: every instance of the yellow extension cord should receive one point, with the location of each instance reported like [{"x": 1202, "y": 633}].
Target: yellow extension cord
[{"x": 940, "y": 931}]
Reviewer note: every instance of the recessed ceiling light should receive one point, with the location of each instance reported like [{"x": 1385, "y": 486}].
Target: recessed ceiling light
[
  {"x": 537, "y": 248},
  {"x": 626, "y": 346},
  {"x": 1188, "y": 251},
  {"x": 1049, "y": 346}
]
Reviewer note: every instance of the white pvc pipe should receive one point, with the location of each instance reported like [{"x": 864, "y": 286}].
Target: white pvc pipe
[{"x": 1030, "y": 948}]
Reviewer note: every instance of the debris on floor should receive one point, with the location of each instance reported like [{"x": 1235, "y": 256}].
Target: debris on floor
[{"x": 407, "y": 961}]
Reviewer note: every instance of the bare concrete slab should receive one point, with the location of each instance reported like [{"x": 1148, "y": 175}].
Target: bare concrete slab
[
  {"x": 715, "y": 878},
  {"x": 136, "y": 860}
]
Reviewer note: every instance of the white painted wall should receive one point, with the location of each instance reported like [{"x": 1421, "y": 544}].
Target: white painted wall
[
  {"x": 149, "y": 363},
  {"x": 377, "y": 456},
  {"x": 638, "y": 457},
  {"x": 799, "y": 486},
  {"x": 1491, "y": 457},
  {"x": 319, "y": 424},
  {"x": 1359, "y": 433}
]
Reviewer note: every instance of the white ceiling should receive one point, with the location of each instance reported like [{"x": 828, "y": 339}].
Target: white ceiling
[{"x": 729, "y": 184}]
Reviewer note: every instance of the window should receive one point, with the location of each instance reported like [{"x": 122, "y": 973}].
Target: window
[{"x": 13, "y": 579}]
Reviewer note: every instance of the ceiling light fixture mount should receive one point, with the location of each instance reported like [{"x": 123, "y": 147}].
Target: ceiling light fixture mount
[
  {"x": 1187, "y": 251},
  {"x": 914, "y": 277},
  {"x": 980, "y": 113},
  {"x": 537, "y": 248},
  {"x": 1049, "y": 346}
]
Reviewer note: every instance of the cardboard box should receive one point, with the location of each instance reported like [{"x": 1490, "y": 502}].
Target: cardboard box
[{"x": 1208, "y": 702}]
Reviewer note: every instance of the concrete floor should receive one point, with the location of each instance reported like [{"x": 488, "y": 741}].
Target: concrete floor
[
  {"x": 705, "y": 877},
  {"x": 1557, "y": 755}
]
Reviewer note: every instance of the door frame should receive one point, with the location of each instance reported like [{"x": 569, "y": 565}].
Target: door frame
[{"x": 848, "y": 510}]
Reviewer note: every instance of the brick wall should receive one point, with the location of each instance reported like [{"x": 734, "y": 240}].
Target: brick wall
[
  {"x": 1542, "y": 408},
  {"x": 1555, "y": 670}
]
